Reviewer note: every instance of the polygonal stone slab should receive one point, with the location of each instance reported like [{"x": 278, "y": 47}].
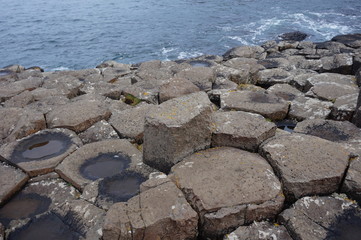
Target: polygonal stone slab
[
  {"x": 67, "y": 85},
  {"x": 100, "y": 131},
  {"x": 142, "y": 217},
  {"x": 241, "y": 130},
  {"x": 228, "y": 187},
  {"x": 338, "y": 63},
  {"x": 266, "y": 104},
  {"x": 316, "y": 218},
  {"x": 309, "y": 108},
  {"x": 40, "y": 153},
  {"x": 202, "y": 77},
  {"x": 177, "y": 128},
  {"x": 100, "y": 159},
  {"x": 273, "y": 76},
  {"x": 259, "y": 231},
  {"x": 130, "y": 122},
  {"x": 285, "y": 91},
  {"x": 351, "y": 40},
  {"x": 344, "y": 107},
  {"x": 352, "y": 183},
  {"x": 246, "y": 52},
  {"x": 306, "y": 164},
  {"x": 176, "y": 88},
  {"x": 78, "y": 115},
  {"x": 11, "y": 180}
]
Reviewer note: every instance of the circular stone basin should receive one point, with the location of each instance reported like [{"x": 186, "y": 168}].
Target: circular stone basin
[
  {"x": 40, "y": 147},
  {"x": 48, "y": 226},
  {"x": 104, "y": 165},
  {"x": 24, "y": 206},
  {"x": 286, "y": 125},
  {"x": 121, "y": 187},
  {"x": 198, "y": 63}
]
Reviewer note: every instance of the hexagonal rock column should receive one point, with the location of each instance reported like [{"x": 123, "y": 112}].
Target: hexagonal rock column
[
  {"x": 316, "y": 218},
  {"x": 241, "y": 130},
  {"x": 309, "y": 108},
  {"x": 266, "y": 104},
  {"x": 175, "y": 129},
  {"x": 78, "y": 115},
  {"x": 41, "y": 152},
  {"x": 305, "y": 164},
  {"x": 175, "y": 88},
  {"x": 258, "y": 231},
  {"x": 160, "y": 212},
  {"x": 99, "y": 160},
  {"x": 228, "y": 187},
  {"x": 11, "y": 180}
]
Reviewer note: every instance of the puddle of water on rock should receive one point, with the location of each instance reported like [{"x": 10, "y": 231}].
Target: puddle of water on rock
[
  {"x": 121, "y": 187},
  {"x": 104, "y": 165},
  {"x": 40, "y": 147},
  {"x": 346, "y": 227},
  {"x": 287, "y": 125},
  {"x": 24, "y": 206},
  {"x": 199, "y": 63},
  {"x": 48, "y": 226}
]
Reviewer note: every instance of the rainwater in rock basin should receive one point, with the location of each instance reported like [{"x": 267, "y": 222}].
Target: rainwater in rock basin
[{"x": 286, "y": 125}]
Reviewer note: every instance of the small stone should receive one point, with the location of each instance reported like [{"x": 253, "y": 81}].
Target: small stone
[
  {"x": 175, "y": 129},
  {"x": 102, "y": 130},
  {"x": 306, "y": 172},
  {"x": 267, "y": 104},
  {"x": 241, "y": 130},
  {"x": 176, "y": 88}
]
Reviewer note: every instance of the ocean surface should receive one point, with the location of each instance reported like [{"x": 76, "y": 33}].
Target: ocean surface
[{"x": 69, "y": 34}]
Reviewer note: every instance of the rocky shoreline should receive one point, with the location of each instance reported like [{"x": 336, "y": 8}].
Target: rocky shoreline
[{"x": 260, "y": 143}]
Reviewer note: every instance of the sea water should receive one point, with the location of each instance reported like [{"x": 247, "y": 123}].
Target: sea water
[{"x": 69, "y": 34}]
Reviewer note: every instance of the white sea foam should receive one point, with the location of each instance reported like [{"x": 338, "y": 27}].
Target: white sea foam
[
  {"x": 61, "y": 68},
  {"x": 184, "y": 55}
]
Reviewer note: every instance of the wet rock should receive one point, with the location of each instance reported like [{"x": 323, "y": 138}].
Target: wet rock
[
  {"x": 100, "y": 131},
  {"x": 99, "y": 160},
  {"x": 256, "y": 52},
  {"x": 285, "y": 91},
  {"x": 259, "y": 231},
  {"x": 344, "y": 107},
  {"x": 130, "y": 122},
  {"x": 322, "y": 218},
  {"x": 142, "y": 217},
  {"x": 15, "y": 68},
  {"x": 351, "y": 40},
  {"x": 78, "y": 115},
  {"x": 175, "y": 129},
  {"x": 285, "y": 126},
  {"x": 202, "y": 77},
  {"x": 273, "y": 76},
  {"x": 40, "y": 153},
  {"x": 309, "y": 108},
  {"x": 330, "y": 86},
  {"x": 66, "y": 85},
  {"x": 293, "y": 36},
  {"x": 228, "y": 187},
  {"x": 18, "y": 123},
  {"x": 11, "y": 180},
  {"x": 339, "y": 63},
  {"x": 175, "y": 88},
  {"x": 241, "y": 130},
  {"x": 267, "y": 104},
  {"x": 306, "y": 172}
]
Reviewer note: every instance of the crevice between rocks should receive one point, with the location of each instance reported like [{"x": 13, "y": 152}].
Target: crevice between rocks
[{"x": 344, "y": 175}]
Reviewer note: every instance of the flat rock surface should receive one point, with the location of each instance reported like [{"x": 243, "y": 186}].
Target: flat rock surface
[
  {"x": 176, "y": 88},
  {"x": 309, "y": 108},
  {"x": 306, "y": 164},
  {"x": 241, "y": 130},
  {"x": 40, "y": 153},
  {"x": 313, "y": 218},
  {"x": 285, "y": 91},
  {"x": 344, "y": 107},
  {"x": 202, "y": 77},
  {"x": 228, "y": 187},
  {"x": 102, "y": 130},
  {"x": 11, "y": 180},
  {"x": 78, "y": 115},
  {"x": 266, "y": 104}
]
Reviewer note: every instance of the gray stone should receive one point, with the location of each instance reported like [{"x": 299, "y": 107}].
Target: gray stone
[
  {"x": 338, "y": 63},
  {"x": 47, "y": 104},
  {"x": 306, "y": 164},
  {"x": 273, "y": 76},
  {"x": 228, "y": 187},
  {"x": 351, "y": 40},
  {"x": 284, "y": 45},
  {"x": 130, "y": 122},
  {"x": 259, "y": 231},
  {"x": 2, "y": 232},
  {"x": 285, "y": 91},
  {"x": 248, "y": 66},
  {"x": 11, "y": 180},
  {"x": 303, "y": 63},
  {"x": 142, "y": 217},
  {"x": 256, "y": 52},
  {"x": 309, "y": 108},
  {"x": 175, "y": 88},
  {"x": 356, "y": 67},
  {"x": 275, "y": 63},
  {"x": 177, "y": 128},
  {"x": 344, "y": 107},
  {"x": 100, "y": 131},
  {"x": 316, "y": 218},
  {"x": 70, "y": 168},
  {"x": 149, "y": 94},
  {"x": 66, "y": 85},
  {"x": 113, "y": 64},
  {"x": 267, "y": 104},
  {"x": 202, "y": 77},
  {"x": 224, "y": 83},
  {"x": 46, "y": 163},
  {"x": 238, "y": 76},
  {"x": 110, "y": 90},
  {"x": 153, "y": 71},
  {"x": 241, "y": 130},
  {"x": 352, "y": 183},
  {"x": 18, "y": 123},
  {"x": 78, "y": 115},
  {"x": 20, "y": 100},
  {"x": 117, "y": 71},
  {"x": 300, "y": 81},
  {"x": 9, "y": 90}
]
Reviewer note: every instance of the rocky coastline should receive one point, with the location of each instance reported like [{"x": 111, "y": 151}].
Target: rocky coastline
[{"x": 263, "y": 142}]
